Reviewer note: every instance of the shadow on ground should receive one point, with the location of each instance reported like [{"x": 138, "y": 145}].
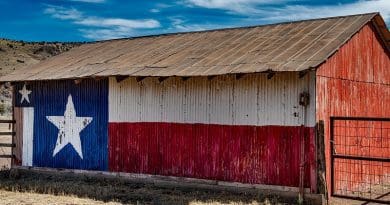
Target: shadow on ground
[{"x": 120, "y": 190}]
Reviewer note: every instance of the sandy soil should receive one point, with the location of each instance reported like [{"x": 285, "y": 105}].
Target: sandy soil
[{"x": 8, "y": 197}]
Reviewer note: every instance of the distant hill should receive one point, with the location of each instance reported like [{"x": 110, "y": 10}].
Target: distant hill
[
  {"x": 15, "y": 55},
  {"x": 19, "y": 54}
]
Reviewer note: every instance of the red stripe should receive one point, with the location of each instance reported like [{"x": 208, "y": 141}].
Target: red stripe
[{"x": 247, "y": 154}]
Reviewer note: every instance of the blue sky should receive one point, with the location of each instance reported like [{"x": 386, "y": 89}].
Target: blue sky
[{"x": 90, "y": 20}]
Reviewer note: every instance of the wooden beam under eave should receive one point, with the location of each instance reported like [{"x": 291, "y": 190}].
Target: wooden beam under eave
[
  {"x": 162, "y": 79},
  {"x": 211, "y": 77},
  {"x": 185, "y": 78},
  {"x": 302, "y": 74},
  {"x": 78, "y": 81},
  {"x": 121, "y": 78},
  {"x": 239, "y": 75},
  {"x": 270, "y": 75},
  {"x": 140, "y": 78},
  {"x": 97, "y": 78}
]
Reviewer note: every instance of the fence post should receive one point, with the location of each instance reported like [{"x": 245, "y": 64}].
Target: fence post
[{"x": 321, "y": 165}]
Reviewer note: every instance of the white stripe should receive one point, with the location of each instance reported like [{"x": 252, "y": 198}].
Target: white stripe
[
  {"x": 251, "y": 100},
  {"x": 28, "y": 131}
]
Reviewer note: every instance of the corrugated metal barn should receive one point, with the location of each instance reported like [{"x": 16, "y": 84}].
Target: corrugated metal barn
[{"x": 235, "y": 105}]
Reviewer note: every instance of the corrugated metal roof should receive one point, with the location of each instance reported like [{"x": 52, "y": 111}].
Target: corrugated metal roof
[{"x": 293, "y": 46}]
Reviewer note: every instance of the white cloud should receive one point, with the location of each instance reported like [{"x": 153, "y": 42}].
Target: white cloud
[
  {"x": 179, "y": 24},
  {"x": 90, "y": 1},
  {"x": 63, "y": 13},
  {"x": 235, "y": 6},
  {"x": 254, "y": 14},
  {"x": 298, "y": 12},
  {"x": 275, "y": 13},
  {"x": 99, "y": 28},
  {"x": 118, "y": 22},
  {"x": 104, "y": 34},
  {"x": 159, "y": 7},
  {"x": 154, "y": 10}
]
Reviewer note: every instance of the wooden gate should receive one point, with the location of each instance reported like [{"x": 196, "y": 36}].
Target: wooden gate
[{"x": 360, "y": 158}]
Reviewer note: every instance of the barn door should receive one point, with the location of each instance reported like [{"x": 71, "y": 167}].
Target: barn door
[{"x": 360, "y": 158}]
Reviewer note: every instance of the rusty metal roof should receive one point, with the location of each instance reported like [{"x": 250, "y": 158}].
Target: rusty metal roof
[{"x": 292, "y": 46}]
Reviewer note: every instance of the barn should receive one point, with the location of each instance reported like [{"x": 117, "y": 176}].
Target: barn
[{"x": 302, "y": 104}]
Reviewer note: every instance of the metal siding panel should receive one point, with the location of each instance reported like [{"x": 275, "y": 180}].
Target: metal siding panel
[
  {"x": 251, "y": 100},
  {"x": 221, "y": 100},
  {"x": 197, "y": 98},
  {"x": 172, "y": 100},
  {"x": 245, "y": 100},
  {"x": 247, "y": 154},
  {"x": 150, "y": 98}
]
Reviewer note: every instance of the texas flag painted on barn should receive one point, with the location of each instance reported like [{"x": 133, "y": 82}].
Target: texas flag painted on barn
[
  {"x": 65, "y": 124},
  {"x": 211, "y": 129}
]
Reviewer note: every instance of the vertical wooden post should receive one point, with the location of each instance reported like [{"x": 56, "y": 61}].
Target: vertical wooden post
[
  {"x": 320, "y": 147},
  {"x": 13, "y": 126},
  {"x": 304, "y": 99}
]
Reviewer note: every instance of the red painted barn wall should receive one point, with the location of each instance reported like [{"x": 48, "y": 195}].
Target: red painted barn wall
[
  {"x": 247, "y": 154},
  {"x": 354, "y": 82}
]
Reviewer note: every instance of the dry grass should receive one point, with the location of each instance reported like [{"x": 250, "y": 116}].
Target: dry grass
[
  {"x": 8, "y": 197},
  {"x": 67, "y": 187}
]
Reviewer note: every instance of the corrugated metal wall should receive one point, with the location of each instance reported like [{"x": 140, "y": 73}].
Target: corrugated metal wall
[
  {"x": 252, "y": 100},
  {"x": 355, "y": 82},
  {"x": 245, "y": 130}
]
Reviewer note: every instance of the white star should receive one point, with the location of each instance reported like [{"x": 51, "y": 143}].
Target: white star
[
  {"x": 25, "y": 94},
  {"x": 69, "y": 128}
]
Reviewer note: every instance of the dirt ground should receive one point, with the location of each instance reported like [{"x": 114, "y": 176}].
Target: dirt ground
[
  {"x": 24, "y": 187},
  {"x": 9, "y": 197}
]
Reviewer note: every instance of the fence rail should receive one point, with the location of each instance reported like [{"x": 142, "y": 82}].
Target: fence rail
[
  {"x": 360, "y": 158},
  {"x": 6, "y": 148}
]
